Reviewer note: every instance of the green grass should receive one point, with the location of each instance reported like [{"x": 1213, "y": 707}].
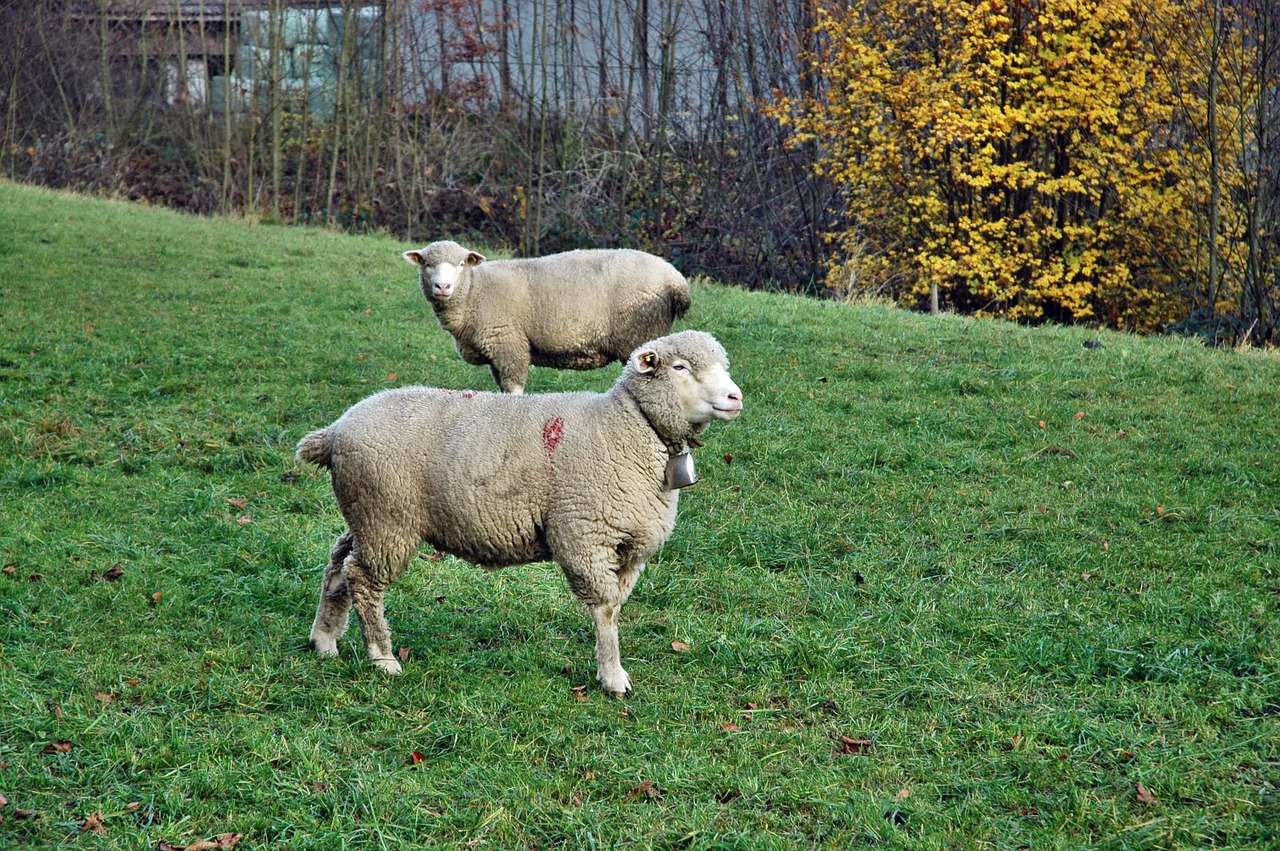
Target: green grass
[{"x": 1032, "y": 575}]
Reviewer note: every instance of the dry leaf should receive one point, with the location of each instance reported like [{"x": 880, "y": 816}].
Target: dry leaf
[
  {"x": 26, "y": 814},
  {"x": 1145, "y": 797},
  {"x": 165, "y": 846},
  {"x": 391, "y": 376},
  {"x": 237, "y": 503},
  {"x": 680, "y": 647},
  {"x": 93, "y": 823},
  {"x": 202, "y": 845},
  {"x": 902, "y": 795},
  {"x": 133, "y": 805},
  {"x": 10, "y": 570},
  {"x": 227, "y": 840},
  {"x": 730, "y": 728},
  {"x": 57, "y": 747},
  {"x": 647, "y": 789},
  {"x": 105, "y": 697},
  {"x": 114, "y": 573},
  {"x": 728, "y": 457},
  {"x": 580, "y": 692},
  {"x": 1079, "y": 415},
  {"x": 244, "y": 519},
  {"x": 1042, "y": 424},
  {"x": 1159, "y": 509},
  {"x": 855, "y": 746},
  {"x": 403, "y": 653},
  {"x": 4, "y": 802},
  {"x": 416, "y": 757}
]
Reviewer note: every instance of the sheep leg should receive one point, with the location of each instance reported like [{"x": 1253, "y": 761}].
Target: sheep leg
[
  {"x": 603, "y": 588},
  {"x": 510, "y": 367},
  {"x": 609, "y": 671},
  {"x": 335, "y": 600},
  {"x": 367, "y": 595}
]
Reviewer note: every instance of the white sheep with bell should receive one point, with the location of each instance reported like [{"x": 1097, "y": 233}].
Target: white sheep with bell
[
  {"x": 575, "y": 310},
  {"x": 587, "y": 480}
]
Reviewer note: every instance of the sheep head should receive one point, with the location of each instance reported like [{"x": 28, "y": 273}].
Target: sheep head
[
  {"x": 682, "y": 383},
  {"x": 442, "y": 264}
]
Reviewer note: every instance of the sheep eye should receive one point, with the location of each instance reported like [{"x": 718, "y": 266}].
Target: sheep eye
[{"x": 680, "y": 367}]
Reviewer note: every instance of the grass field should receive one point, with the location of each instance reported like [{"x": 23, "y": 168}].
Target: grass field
[{"x": 944, "y": 584}]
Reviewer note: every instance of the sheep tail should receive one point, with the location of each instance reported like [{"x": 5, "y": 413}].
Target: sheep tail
[
  {"x": 317, "y": 448},
  {"x": 679, "y": 300}
]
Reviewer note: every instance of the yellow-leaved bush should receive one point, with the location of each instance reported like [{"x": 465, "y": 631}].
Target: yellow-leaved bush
[{"x": 1010, "y": 154}]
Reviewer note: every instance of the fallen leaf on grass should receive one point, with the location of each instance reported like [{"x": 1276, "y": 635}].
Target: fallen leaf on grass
[
  {"x": 731, "y": 728},
  {"x": 105, "y": 696},
  {"x": 1079, "y": 415},
  {"x": 4, "y": 802},
  {"x": 10, "y": 570},
  {"x": 57, "y": 747},
  {"x": 854, "y": 746},
  {"x": 244, "y": 519},
  {"x": 680, "y": 647},
  {"x": 580, "y": 692},
  {"x": 114, "y": 573},
  {"x": 416, "y": 757},
  {"x": 647, "y": 789},
  {"x": 26, "y": 814},
  {"x": 902, "y": 795},
  {"x": 1145, "y": 797},
  {"x": 403, "y": 653},
  {"x": 94, "y": 823},
  {"x": 237, "y": 503},
  {"x": 132, "y": 806}
]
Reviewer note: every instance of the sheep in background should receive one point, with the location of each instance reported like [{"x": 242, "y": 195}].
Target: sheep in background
[
  {"x": 576, "y": 310},
  {"x": 581, "y": 479}
]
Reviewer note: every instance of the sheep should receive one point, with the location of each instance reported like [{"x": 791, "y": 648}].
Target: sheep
[
  {"x": 587, "y": 480},
  {"x": 576, "y": 310}
]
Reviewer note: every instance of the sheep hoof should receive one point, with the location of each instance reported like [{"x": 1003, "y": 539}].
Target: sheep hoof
[
  {"x": 324, "y": 646},
  {"x": 388, "y": 666},
  {"x": 617, "y": 685}
]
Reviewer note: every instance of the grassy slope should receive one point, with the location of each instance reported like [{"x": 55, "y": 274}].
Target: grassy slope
[{"x": 1032, "y": 575}]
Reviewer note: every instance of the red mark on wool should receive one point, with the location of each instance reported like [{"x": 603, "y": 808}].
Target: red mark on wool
[
  {"x": 469, "y": 394},
  {"x": 552, "y": 431}
]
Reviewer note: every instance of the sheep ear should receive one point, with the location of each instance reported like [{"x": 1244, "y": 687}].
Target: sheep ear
[
  {"x": 646, "y": 361},
  {"x": 414, "y": 257},
  {"x": 475, "y": 258}
]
